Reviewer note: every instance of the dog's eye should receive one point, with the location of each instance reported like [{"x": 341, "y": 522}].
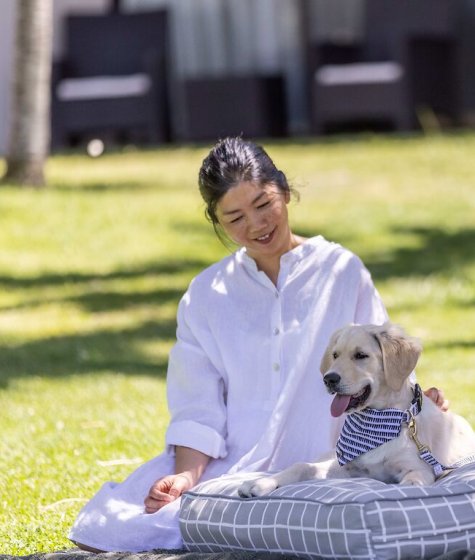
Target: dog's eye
[
  {"x": 335, "y": 355},
  {"x": 360, "y": 356}
]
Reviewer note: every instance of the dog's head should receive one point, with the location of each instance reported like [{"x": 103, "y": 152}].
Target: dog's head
[{"x": 363, "y": 364}]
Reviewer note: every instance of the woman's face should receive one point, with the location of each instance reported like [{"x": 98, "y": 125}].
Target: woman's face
[{"x": 256, "y": 217}]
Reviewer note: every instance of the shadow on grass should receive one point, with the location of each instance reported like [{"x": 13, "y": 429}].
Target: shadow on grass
[
  {"x": 439, "y": 252},
  {"x": 152, "y": 269},
  {"x": 102, "y": 350},
  {"x": 98, "y": 187},
  {"x": 100, "y": 300},
  {"x": 113, "y": 349},
  {"x": 451, "y": 345}
]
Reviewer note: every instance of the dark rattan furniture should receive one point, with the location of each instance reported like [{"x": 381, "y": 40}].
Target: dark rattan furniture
[{"x": 113, "y": 80}]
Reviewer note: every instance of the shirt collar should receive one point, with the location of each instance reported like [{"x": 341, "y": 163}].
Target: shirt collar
[{"x": 287, "y": 260}]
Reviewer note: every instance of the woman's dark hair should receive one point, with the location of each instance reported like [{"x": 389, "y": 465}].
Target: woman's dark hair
[{"x": 230, "y": 162}]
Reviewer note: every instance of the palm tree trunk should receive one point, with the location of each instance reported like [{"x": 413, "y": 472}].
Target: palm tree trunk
[{"x": 30, "y": 112}]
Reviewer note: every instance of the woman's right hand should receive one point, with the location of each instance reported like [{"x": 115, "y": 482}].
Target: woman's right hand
[
  {"x": 189, "y": 465},
  {"x": 166, "y": 490}
]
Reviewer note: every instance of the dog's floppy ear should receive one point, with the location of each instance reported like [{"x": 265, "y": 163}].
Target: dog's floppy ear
[
  {"x": 400, "y": 353},
  {"x": 327, "y": 356}
]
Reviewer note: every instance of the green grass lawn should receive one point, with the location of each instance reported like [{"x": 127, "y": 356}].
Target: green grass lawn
[{"x": 91, "y": 270}]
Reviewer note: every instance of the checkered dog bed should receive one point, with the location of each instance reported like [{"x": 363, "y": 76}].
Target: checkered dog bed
[{"x": 346, "y": 518}]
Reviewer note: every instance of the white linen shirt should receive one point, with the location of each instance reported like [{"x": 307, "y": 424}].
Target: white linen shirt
[{"x": 243, "y": 382}]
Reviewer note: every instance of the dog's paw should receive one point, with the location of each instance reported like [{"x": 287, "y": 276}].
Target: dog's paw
[
  {"x": 256, "y": 488},
  {"x": 410, "y": 481},
  {"x": 413, "y": 478}
]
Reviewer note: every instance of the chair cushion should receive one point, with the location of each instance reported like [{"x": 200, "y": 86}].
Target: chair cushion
[
  {"x": 103, "y": 87},
  {"x": 345, "y": 518},
  {"x": 359, "y": 73}
]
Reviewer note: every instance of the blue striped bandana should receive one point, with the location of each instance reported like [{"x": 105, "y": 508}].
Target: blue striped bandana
[{"x": 370, "y": 428}]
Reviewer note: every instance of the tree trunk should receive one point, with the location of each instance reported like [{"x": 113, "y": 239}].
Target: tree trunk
[{"x": 30, "y": 126}]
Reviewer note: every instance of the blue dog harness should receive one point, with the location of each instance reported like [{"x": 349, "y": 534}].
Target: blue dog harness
[{"x": 370, "y": 428}]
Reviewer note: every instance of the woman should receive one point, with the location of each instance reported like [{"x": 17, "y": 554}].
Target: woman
[{"x": 244, "y": 371}]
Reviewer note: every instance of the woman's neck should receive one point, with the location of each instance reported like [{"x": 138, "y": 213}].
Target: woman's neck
[{"x": 270, "y": 265}]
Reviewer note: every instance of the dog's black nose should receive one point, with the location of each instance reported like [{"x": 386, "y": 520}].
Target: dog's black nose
[{"x": 331, "y": 380}]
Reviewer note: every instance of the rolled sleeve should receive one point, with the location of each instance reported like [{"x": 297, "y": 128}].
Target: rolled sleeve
[{"x": 188, "y": 433}]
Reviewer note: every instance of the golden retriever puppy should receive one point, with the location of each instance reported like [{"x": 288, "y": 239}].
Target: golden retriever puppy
[{"x": 392, "y": 432}]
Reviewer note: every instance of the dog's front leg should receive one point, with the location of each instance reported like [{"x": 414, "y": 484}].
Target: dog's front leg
[{"x": 295, "y": 473}]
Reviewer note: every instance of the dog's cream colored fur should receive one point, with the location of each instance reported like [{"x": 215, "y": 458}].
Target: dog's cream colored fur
[{"x": 382, "y": 357}]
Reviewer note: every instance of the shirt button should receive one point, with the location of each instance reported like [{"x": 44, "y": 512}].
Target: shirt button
[
  {"x": 277, "y": 295},
  {"x": 275, "y": 366},
  {"x": 276, "y": 330}
]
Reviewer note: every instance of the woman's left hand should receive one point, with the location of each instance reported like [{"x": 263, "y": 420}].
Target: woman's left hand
[{"x": 437, "y": 396}]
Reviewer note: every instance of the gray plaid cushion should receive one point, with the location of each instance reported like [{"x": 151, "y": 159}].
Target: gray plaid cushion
[{"x": 352, "y": 518}]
